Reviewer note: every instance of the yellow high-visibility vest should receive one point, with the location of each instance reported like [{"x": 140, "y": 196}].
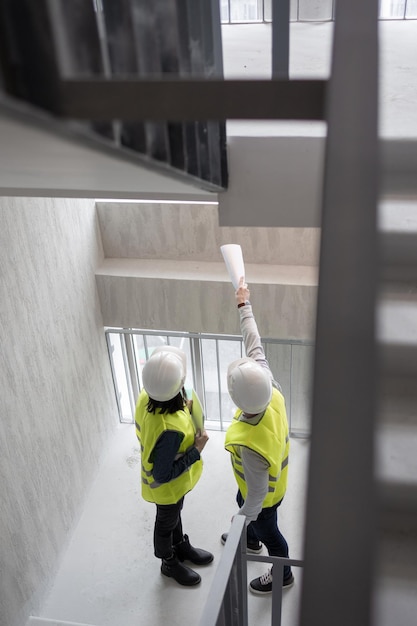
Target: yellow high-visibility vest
[
  {"x": 149, "y": 428},
  {"x": 269, "y": 438}
]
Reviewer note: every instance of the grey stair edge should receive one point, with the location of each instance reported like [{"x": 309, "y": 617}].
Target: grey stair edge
[
  {"x": 397, "y": 360},
  {"x": 47, "y": 621},
  {"x": 178, "y": 269},
  {"x": 398, "y": 166},
  {"x": 397, "y": 504},
  {"x": 399, "y": 256}
]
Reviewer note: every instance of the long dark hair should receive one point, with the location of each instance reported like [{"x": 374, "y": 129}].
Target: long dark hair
[{"x": 168, "y": 406}]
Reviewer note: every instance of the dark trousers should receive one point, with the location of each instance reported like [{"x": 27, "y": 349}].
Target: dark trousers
[
  {"x": 167, "y": 529},
  {"x": 265, "y": 529}
]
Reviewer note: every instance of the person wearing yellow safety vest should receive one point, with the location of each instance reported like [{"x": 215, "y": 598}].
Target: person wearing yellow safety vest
[
  {"x": 258, "y": 441},
  {"x": 171, "y": 462}
]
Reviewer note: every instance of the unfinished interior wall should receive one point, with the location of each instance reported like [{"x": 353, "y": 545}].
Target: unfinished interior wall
[
  {"x": 57, "y": 405},
  {"x": 163, "y": 269}
]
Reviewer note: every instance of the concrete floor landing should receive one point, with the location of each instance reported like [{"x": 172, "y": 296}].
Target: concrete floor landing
[{"x": 109, "y": 576}]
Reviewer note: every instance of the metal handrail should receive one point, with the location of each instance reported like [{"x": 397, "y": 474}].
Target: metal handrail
[
  {"x": 131, "y": 367},
  {"x": 173, "y": 333},
  {"x": 227, "y": 602}
]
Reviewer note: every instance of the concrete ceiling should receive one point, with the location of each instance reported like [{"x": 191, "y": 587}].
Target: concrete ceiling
[
  {"x": 36, "y": 160},
  {"x": 246, "y": 50}
]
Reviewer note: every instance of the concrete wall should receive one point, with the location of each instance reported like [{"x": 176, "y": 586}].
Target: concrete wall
[
  {"x": 163, "y": 269},
  {"x": 57, "y": 406},
  {"x": 191, "y": 232},
  {"x": 273, "y": 181}
]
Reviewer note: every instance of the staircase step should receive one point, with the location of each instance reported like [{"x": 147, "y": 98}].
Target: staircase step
[
  {"x": 396, "y": 432},
  {"x": 398, "y": 361},
  {"x": 399, "y": 258},
  {"x": 398, "y": 507},
  {"x": 44, "y": 621},
  {"x": 394, "y": 598},
  {"x": 395, "y": 448},
  {"x": 399, "y": 167}
]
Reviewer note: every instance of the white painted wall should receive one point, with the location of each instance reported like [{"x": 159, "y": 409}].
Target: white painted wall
[{"x": 57, "y": 405}]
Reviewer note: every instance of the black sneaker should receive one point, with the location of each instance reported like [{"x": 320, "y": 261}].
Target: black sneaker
[
  {"x": 288, "y": 582},
  {"x": 263, "y": 585},
  {"x": 253, "y": 548}
]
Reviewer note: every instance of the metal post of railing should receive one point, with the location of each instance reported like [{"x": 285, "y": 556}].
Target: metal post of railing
[
  {"x": 341, "y": 501},
  {"x": 289, "y": 408},
  {"x": 128, "y": 363},
  {"x": 132, "y": 367},
  {"x": 280, "y": 38},
  {"x": 277, "y": 582},
  {"x": 110, "y": 350},
  {"x": 226, "y": 604},
  {"x": 198, "y": 373},
  {"x": 219, "y": 382},
  {"x": 132, "y": 370}
]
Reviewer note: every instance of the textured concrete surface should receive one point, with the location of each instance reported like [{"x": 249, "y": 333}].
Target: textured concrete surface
[
  {"x": 102, "y": 573},
  {"x": 57, "y": 400},
  {"x": 191, "y": 232},
  {"x": 171, "y": 274},
  {"x": 109, "y": 576},
  {"x": 247, "y": 53}
]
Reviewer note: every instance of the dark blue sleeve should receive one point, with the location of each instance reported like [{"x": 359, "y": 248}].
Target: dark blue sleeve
[{"x": 165, "y": 467}]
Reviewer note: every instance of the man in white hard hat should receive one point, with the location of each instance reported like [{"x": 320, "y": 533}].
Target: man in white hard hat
[
  {"x": 258, "y": 440},
  {"x": 171, "y": 460}
]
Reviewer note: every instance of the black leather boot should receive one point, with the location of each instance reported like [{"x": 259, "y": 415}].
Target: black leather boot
[
  {"x": 186, "y": 552},
  {"x": 181, "y": 573}
]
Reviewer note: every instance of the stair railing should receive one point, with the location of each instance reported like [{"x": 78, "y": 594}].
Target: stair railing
[{"x": 227, "y": 602}]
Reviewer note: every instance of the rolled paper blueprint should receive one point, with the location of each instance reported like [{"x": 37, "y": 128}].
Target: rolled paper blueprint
[
  {"x": 232, "y": 254},
  {"x": 197, "y": 412}
]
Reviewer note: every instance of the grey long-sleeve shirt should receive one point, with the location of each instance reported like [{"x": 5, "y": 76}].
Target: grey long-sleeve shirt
[{"x": 255, "y": 467}]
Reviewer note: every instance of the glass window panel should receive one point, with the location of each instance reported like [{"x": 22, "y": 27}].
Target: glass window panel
[
  {"x": 210, "y": 378},
  {"x": 301, "y": 388},
  {"x": 246, "y": 11},
  {"x": 145, "y": 345},
  {"x": 393, "y": 9},
  {"x": 315, "y": 10},
  {"x": 279, "y": 359},
  {"x": 294, "y": 10},
  {"x": 228, "y": 351},
  {"x": 219, "y": 406},
  {"x": 184, "y": 344},
  {"x": 224, "y": 11},
  {"x": 292, "y": 366},
  {"x": 268, "y": 10},
  {"x": 411, "y": 9},
  {"x": 121, "y": 376}
]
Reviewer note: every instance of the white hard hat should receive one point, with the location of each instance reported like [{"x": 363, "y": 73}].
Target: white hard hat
[
  {"x": 249, "y": 385},
  {"x": 163, "y": 376},
  {"x": 174, "y": 350}
]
